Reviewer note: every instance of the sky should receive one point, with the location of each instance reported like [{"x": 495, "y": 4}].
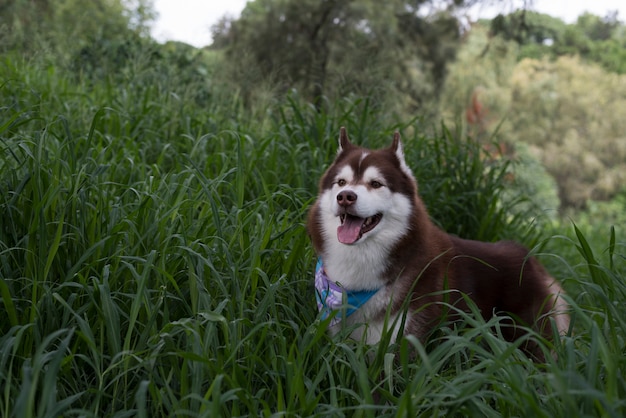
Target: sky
[{"x": 190, "y": 20}]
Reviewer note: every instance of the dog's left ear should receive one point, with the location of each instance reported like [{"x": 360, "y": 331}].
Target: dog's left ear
[
  {"x": 344, "y": 141},
  {"x": 396, "y": 147}
]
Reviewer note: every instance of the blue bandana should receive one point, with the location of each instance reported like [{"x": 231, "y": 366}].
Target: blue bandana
[{"x": 332, "y": 297}]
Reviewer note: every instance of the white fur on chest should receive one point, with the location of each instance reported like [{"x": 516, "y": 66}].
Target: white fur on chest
[{"x": 374, "y": 319}]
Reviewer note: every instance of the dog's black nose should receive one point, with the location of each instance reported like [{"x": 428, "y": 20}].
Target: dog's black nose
[{"x": 346, "y": 198}]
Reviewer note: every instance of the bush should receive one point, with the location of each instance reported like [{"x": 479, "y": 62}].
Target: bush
[{"x": 566, "y": 110}]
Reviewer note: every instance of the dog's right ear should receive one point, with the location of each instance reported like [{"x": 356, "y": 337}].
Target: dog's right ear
[
  {"x": 398, "y": 149},
  {"x": 344, "y": 141}
]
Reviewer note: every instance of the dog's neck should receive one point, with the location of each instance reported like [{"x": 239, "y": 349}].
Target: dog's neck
[{"x": 356, "y": 267}]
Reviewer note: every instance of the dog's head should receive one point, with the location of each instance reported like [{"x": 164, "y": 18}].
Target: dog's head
[{"x": 367, "y": 194}]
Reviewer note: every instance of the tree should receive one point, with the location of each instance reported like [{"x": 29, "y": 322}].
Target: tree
[
  {"x": 563, "y": 111},
  {"x": 595, "y": 39},
  {"x": 597, "y": 28},
  {"x": 572, "y": 113},
  {"x": 526, "y": 27},
  {"x": 65, "y": 26},
  {"x": 337, "y": 47}
]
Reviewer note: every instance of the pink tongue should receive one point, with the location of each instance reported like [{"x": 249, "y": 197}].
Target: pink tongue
[{"x": 349, "y": 231}]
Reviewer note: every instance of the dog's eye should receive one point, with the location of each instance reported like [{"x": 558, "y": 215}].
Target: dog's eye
[
  {"x": 341, "y": 182},
  {"x": 376, "y": 184}
]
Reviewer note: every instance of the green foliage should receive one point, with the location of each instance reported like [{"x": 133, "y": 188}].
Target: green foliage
[
  {"x": 575, "y": 124},
  {"x": 387, "y": 50},
  {"x": 599, "y": 40},
  {"x": 154, "y": 262},
  {"x": 482, "y": 69},
  {"x": 465, "y": 192},
  {"x": 598, "y": 216},
  {"x": 529, "y": 178},
  {"x": 595, "y": 39},
  {"x": 566, "y": 111},
  {"x": 61, "y": 28},
  {"x": 526, "y": 27}
]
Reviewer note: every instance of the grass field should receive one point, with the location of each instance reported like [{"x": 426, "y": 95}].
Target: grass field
[{"x": 154, "y": 262}]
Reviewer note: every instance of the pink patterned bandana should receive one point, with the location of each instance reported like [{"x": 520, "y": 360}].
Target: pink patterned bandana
[{"x": 331, "y": 296}]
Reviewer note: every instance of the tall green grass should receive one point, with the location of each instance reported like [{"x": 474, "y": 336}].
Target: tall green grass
[{"x": 154, "y": 262}]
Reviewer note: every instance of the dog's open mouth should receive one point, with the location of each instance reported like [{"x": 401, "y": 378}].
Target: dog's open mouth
[{"x": 353, "y": 227}]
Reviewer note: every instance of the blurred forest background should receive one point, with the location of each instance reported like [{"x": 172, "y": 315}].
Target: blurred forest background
[
  {"x": 153, "y": 257},
  {"x": 549, "y": 95}
]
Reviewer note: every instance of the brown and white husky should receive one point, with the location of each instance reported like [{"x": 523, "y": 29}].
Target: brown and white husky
[{"x": 380, "y": 256}]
